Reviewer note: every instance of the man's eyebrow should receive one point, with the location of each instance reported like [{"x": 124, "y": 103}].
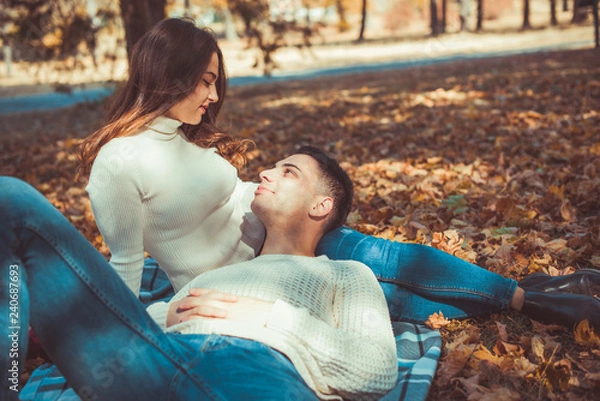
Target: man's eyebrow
[{"x": 291, "y": 165}]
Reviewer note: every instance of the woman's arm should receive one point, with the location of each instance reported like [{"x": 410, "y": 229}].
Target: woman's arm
[
  {"x": 116, "y": 197},
  {"x": 358, "y": 355}
]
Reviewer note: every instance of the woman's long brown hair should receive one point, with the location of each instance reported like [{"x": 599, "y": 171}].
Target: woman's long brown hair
[{"x": 165, "y": 66}]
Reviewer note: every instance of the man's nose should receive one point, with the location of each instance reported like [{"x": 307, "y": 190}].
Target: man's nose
[{"x": 265, "y": 175}]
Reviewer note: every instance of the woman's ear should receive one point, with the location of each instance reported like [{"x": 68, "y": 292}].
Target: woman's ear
[{"x": 322, "y": 207}]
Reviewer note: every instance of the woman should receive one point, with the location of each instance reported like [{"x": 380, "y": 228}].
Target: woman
[
  {"x": 160, "y": 182},
  {"x": 163, "y": 180}
]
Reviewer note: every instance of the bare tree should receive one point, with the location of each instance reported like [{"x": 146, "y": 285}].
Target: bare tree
[
  {"x": 465, "y": 13},
  {"x": 553, "y": 20},
  {"x": 434, "y": 17},
  {"x": 138, "y": 16},
  {"x": 596, "y": 24},
  {"x": 269, "y": 32},
  {"x": 526, "y": 23},
  {"x": 444, "y": 12},
  {"x": 343, "y": 25},
  {"x": 479, "y": 15},
  {"x": 363, "y": 22}
]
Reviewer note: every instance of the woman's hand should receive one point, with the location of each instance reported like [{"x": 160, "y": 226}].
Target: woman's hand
[
  {"x": 201, "y": 302},
  {"x": 211, "y": 304}
]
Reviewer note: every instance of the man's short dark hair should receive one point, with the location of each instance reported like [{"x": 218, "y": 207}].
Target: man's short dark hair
[{"x": 336, "y": 182}]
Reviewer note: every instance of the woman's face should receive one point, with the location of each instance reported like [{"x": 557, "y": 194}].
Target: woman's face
[{"x": 191, "y": 109}]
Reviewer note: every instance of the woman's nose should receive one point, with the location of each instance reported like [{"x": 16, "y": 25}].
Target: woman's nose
[{"x": 213, "y": 96}]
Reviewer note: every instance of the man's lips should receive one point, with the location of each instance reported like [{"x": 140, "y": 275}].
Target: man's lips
[{"x": 262, "y": 189}]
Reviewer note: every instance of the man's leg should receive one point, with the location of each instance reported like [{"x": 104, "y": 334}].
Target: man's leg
[
  {"x": 88, "y": 321},
  {"x": 419, "y": 280}
]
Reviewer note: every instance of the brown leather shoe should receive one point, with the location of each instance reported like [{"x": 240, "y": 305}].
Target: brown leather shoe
[
  {"x": 562, "y": 308},
  {"x": 584, "y": 281}
]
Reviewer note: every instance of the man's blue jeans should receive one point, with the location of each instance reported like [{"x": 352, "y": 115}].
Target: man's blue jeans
[
  {"x": 419, "y": 280},
  {"x": 99, "y": 334}
]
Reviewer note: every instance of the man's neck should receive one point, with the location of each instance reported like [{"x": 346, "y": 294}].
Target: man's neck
[{"x": 288, "y": 243}]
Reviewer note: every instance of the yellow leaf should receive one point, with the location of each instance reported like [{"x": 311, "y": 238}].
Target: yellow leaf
[
  {"x": 437, "y": 321},
  {"x": 584, "y": 334},
  {"x": 558, "y": 191},
  {"x": 537, "y": 347},
  {"x": 556, "y": 245},
  {"x": 483, "y": 354},
  {"x": 558, "y": 375}
]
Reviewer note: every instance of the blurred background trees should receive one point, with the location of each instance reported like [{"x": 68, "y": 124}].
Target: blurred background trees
[{"x": 76, "y": 33}]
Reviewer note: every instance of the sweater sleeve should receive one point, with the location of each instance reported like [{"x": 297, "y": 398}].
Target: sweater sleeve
[
  {"x": 158, "y": 311},
  {"x": 116, "y": 198},
  {"x": 244, "y": 193},
  {"x": 357, "y": 356}
]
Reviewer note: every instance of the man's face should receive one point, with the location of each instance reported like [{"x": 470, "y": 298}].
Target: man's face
[{"x": 288, "y": 191}]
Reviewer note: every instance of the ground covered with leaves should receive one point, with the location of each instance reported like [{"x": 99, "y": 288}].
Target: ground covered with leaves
[{"x": 496, "y": 161}]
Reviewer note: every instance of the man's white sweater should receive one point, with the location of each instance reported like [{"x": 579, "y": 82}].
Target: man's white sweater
[
  {"x": 185, "y": 205},
  {"x": 330, "y": 318}
]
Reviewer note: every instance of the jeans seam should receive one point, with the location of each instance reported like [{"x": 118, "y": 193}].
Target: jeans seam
[{"x": 411, "y": 285}]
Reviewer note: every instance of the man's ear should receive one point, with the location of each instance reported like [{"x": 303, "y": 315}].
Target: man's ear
[{"x": 322, "y": 207}]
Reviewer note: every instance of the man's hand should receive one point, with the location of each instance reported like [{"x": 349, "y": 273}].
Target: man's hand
[{"x": 211, "y": 304}]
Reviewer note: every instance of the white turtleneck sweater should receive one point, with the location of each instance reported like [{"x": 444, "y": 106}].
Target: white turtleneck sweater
[
  {"x": 185, "y": 205},
  {"x": 330, "y": 318}
]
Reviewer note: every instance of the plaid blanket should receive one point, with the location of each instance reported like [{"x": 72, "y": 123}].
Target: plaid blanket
[{"x": 418, "y": 350}]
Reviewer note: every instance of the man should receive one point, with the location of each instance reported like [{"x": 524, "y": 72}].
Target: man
[{"x": 286, "y": 325}]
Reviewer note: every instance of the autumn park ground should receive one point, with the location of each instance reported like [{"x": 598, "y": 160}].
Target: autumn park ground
[{"x": 495, "y": 160}]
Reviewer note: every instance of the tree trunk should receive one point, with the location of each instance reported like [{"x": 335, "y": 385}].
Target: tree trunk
[
  {"x": 341, "y": 10},
  {"x": 565, "y": 5},
  {"x": 7, "y": 52},
  {"x": 553, "y": 20},
  {"x": 138, "y": 16},
  {"x": 465, "y": 12},
  {"x": 8, "y": 59},
  {"x": 363, "y": 22},
  {"x": 230, "y": 32},
  {"x": 578, "y": 14},
  {"x": 434, "y": 17},
  {"x": 526, "y": 24},
  {"x": 444, "y": 12},
  {"x": 596, "y": 24},
  {"x": 479, "y": 15},
  {"x": 186, "y": 7}
]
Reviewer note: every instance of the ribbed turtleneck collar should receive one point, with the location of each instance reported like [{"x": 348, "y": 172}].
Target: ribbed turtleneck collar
[{"x": 165, "y": 125}]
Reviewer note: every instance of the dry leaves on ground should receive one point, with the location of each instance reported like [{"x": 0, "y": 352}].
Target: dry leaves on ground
[{"x": 495, "y": 161}]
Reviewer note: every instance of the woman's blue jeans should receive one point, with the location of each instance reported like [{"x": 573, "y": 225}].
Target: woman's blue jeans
[
  {"x": 96, "y": 331},
  {"x": 419, "y": 280}
]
